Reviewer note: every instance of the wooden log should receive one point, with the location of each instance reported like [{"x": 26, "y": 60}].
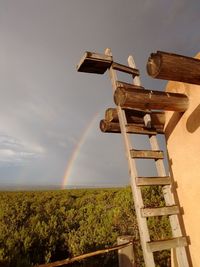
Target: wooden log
[
  {"x": 146, "y": 99},
  {"x": 168, "y": 66},
  {"x": 136, "y": 116},
  {"x": 114, "y": 127},
  {"x": 132, "y": 116},
  {"x": 109, "y": 127}
]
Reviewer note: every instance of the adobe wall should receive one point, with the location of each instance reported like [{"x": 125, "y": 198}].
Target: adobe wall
[{"x": 183, "y": 144}]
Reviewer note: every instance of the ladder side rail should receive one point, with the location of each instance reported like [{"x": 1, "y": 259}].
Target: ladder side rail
[
  {"x": 136, "y": 191},
  {"x": 175, "y": 223},
  {"x": 137, "y": 81},
  {"x": 168, "y": 196}
]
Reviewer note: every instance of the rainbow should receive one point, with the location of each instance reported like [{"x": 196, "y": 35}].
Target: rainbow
[{"x": 76, "y": 151}]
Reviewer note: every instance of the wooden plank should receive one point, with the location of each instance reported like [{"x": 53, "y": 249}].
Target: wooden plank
[
  {"x": 147, "y": 154},
  {"x": 167, "y": 244},
  {"x": 168, "y": 66},
  {"x": 151, "y": 212},
  {"x": 147, "y": 99},
  {"x": 94, "y": 63},
  {"x": 126, "y": 69},
  {"x": 148, "y": 181}
]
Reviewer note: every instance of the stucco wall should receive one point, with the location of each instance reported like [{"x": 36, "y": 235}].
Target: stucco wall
[{"x": 183, "y": 144}]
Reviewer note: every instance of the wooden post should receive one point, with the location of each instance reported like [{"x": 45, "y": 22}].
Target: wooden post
[
  {"x": 126, "y": 255},
  {"x": 167, "y": 66},
  {"x": 147, "y": 99}
]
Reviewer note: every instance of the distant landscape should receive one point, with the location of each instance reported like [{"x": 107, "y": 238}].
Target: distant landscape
[{"x": 43, "y": 226}]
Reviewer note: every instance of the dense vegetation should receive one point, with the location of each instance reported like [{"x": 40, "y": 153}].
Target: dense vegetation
[{"x": 39, "y": 227}]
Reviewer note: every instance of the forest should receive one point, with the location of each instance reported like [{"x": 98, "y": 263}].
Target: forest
[{"x": 44, "y": 226}]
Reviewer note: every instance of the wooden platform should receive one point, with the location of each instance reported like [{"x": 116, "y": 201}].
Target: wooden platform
[
  {"x": 99, "y": 63},
  {"x": 94, "y": 63}
]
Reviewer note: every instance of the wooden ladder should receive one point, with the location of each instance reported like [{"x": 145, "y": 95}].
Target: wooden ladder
[{"x": 179, "y": 242}]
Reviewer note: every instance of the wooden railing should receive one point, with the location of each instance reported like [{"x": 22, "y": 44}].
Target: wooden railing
[{"x": 84, "y": 256}]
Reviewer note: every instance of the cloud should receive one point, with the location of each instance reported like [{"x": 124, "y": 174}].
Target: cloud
[{"x": 13, "y": 152}]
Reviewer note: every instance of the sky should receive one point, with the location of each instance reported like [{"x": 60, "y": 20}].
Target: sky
[{"x": 50, "y": 113}]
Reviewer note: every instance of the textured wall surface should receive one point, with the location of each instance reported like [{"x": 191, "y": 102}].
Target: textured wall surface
[{"x": 183, "y": 143}]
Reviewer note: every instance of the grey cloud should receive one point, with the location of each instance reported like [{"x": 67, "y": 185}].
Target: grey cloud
[
  {"x": 14, "y": 153},
  {"x": 45, "y": 105}
]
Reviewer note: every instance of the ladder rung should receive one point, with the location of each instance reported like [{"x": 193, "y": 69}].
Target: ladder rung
[
  {"x": 147, "y": 154},
  {"x": 126, "y": 69},
  {"x": 153, "y": 246},
  {"x": 147, "y": 181},
  {"x": 150, "y": 212},
  {"x": 139, "y": 129},
  {"x": 127, "y": 85}
]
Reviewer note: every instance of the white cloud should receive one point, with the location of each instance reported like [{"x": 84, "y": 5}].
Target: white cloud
[{"x": 14, "y": 152}]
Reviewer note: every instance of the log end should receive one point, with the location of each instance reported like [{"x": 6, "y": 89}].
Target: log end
[
  {"x": 119, "y": 96},
  {"x": 153, "y": 65},
  {"x": 103, "y": 126},
  {"x": 109, "y": 127},
  {"x": 111, "y": 115}
]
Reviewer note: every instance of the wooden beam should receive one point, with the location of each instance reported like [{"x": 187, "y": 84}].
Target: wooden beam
[
  {"x": 136, "y": 116},
  {"x": 114, "y": 127},
  {"x": 126, "y": 69},
  {"x": 146, "y": 99},
  {"x": 168, "y": 66},
  {"x": 132, "y": 116},
  {"x": 109, "y": 127}
]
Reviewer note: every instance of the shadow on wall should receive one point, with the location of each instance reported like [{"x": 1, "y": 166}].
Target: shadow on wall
[
  {"x": 175, "y": 118},
  {"x": 193, "y": 121}
]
